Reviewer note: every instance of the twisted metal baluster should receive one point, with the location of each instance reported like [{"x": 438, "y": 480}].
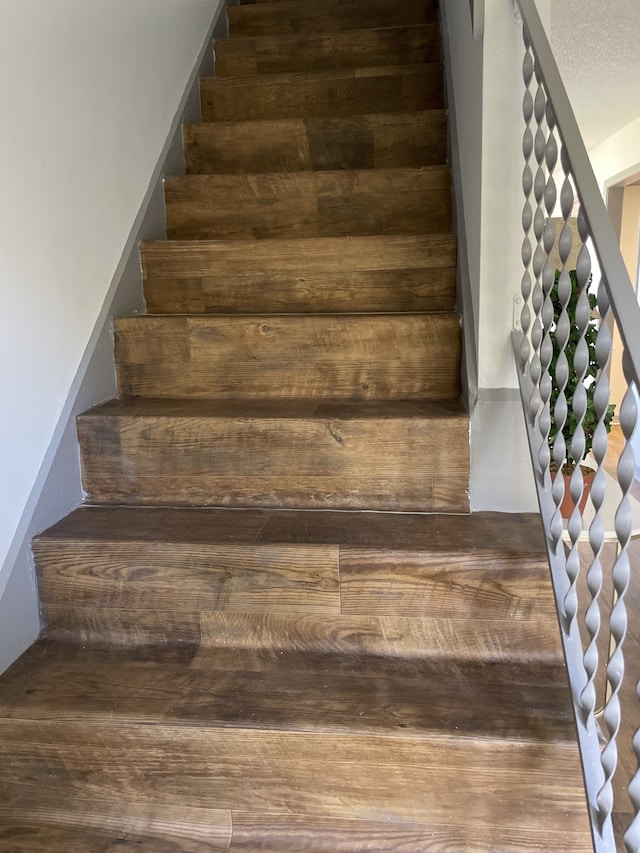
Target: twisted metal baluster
[
  {"x": 527, "y": 210},
  {"x": 547, "y": 312},
  {"x": 632, "y": 835},
  {"x": 618, "y": 620},
  {"x": 537, "y": 295},
  {"x": 592, "y": 618},
  {"x": 580, "y": 367}
]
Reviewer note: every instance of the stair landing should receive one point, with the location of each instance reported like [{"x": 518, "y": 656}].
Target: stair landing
[{"x": 250, "y": 680}]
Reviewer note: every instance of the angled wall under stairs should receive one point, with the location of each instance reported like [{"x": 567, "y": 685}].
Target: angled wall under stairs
[{"x": 275, "y": 626}]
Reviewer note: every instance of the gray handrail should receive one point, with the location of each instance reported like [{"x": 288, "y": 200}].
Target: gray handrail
[{"x": 616, "y": 278}]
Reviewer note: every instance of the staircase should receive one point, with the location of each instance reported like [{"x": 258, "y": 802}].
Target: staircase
[{"x": 274, "y": 625}]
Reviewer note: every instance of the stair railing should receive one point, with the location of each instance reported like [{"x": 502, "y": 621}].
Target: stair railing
[{"x": 563, "y": 391}]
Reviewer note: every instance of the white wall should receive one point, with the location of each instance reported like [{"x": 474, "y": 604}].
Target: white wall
[
  {"x": 88, "y": 93},
  {"x": 498, "y": 440},
  {"x": 618, "y": 157}
]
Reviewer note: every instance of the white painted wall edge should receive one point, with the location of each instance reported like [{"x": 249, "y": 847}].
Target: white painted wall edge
[{"x": 57, "y": 489}]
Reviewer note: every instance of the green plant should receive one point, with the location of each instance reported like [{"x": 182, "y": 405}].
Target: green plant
[{"x": 589, "y": 380}]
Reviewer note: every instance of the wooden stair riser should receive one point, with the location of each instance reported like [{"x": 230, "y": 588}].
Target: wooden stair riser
[
  {"x": 331, "y": 94},
  {"x": 345, "y": 357},
  {"x": 317, "y": 144},
  {"x": 318, "y": 275},
  {"x": 325, "y": 52},
  {"x": 320, "y": 460},
  {"x": 366, "y": 291},
  {"x": 299, "y": 17},
  {"x": 325, "y": 582},
  {"x": 187, "y": 578},
  {"x": 300, "y": 598},
  {"x": 309, "y": 204},
  {"x": 485, "y": 639}
]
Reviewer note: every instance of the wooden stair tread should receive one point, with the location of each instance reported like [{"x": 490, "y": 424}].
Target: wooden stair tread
[
  {"x": 201, "y": 749},
  {"x": 341, "y": 92},
  {"x": 290, "y": 691},
  {"x": 326, "y": 51},
  {"x": 440, "y": 411},
  {"x": 374, "y": 140},
  {"x": 312, "y": 16},
  {"x": 491, "y": 532},
  {"x": 320, "y": 356},
  {"x": 393, "y": 778},
  {"x": 48, "y": 831},
  {"x": 309, "y": 204}
]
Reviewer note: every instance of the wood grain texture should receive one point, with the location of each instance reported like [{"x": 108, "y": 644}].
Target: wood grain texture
[
  {"x": 318, "y": 275},
  {"x": 345, "y": 92},
  {"x": 121, "y": 626},
  {"x": 454, "y": 585},
  {"x": 291, "y": 691},
  {"x": 365, "y": 291},
  {"x": 188, "y": 578},
  {"x": 309, "y": 204},
  {"x": 384, "y": 140},
  {"x": 91, "y": 580},
  {"x": 326, "y": 51},
  {"x": 348, "y": 456},
  {"x": 312, "y": 16},
  {"x": 338, "y": 357},
  {"x": 396, "y": 778},
  {"x": 29, "y": 826},
  {"x": 291, "y": 834},
  {"x": 425, "y": 636}
]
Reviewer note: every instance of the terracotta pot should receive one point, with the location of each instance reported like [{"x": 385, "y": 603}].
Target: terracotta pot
[{"x": 567, "y": 505}]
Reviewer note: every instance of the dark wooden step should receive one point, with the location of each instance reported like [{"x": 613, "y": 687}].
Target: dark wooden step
[
  {"x": 471, "y": 587},
  {"x": 239, "y": 57},
  {"x": 292, "y": 737},
  {"x": 386, "y": 140},
  {"x": 315, "y": 275},
  {"x": 309, "y": 204},
  {"x": 345, "y": 92},
  {"x": 400, "y": 456},
  {"x": 291, "y": 691},
  {"x": 319, "y": 16},
  {"x": 309, "y": 356}
]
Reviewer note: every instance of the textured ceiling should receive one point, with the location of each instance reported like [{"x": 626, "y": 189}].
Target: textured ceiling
[{"x": 597, "y": 47}]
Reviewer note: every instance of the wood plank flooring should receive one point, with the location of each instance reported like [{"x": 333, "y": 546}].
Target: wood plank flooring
[{"x": 274, "y": 625}]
